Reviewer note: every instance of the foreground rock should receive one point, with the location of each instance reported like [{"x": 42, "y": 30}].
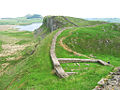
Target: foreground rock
[{"x": 113, "y": 83}]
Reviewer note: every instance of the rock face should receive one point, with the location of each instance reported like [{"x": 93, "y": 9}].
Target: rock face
[
  {"x": 55, "y": 22},
  {"x": 112, "y": 83},
  {"x": 51, "y": 23}
]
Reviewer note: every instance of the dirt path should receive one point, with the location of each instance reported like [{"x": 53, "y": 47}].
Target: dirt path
[
  {"x": 57, "y": 67},
  {"x": 70, "y": 50}
]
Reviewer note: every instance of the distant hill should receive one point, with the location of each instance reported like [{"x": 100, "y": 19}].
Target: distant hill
[
  {"x": 29, "y": 16},
  {"x": 112, "y": 20},
  {"x": 28, "y": 19}
]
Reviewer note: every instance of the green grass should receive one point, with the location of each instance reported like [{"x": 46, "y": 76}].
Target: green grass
[
  {"x": 36, "y": 67},
  {"x": 65, "y": 53},
  {"x": 19, "y": 21},
  {"x": 60, "y": 22},
  {"x": 14, "y": 38},
  {"x": 36, "y": 71},
  {"x": 0, "y": 46},
  {"x": 94, "y": 40},
  {"x": 17, "y": 34},
  {"x": 22, "y": 42},
  {"x": 82, "y": 22},
  {"x": 101, "y": 41}
]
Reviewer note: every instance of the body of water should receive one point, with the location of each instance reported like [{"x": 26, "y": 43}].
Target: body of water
[{"x": 30, "y": 27}]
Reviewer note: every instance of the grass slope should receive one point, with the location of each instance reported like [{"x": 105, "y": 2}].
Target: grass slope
[
  {"x": 83, "y": 22},
  {"x": 0, "y": 45},
  {"x": 36, "y": 71},
  {"x": 10, "y": 40},
  {"x": 60, "y": 22},
  {"x": 100, "y": 41}
]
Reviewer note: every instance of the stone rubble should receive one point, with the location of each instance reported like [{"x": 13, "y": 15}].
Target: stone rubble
[{"x": 112, "y": 83}]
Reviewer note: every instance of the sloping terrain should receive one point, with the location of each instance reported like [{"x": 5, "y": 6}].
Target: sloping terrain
[
  {"x": 51, "y": 23},
  {"x": 19, "y": 21},
  {"x": 12, "y": 46},
  {"x": 99, "y": 42},
  {"x": 36, "y": 71}
]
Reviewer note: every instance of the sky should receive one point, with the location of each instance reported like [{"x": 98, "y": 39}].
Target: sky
[{"x": 74, "y": 8}]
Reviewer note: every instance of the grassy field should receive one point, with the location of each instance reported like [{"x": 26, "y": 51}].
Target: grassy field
[
  {"x": 13, "y": 47},
  {"x": 0, "y": 45},
  {"x": 35, "y": 72},
  {"x": 19, "y": 21}
]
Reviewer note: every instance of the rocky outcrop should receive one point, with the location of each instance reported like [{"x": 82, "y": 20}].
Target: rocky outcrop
[
  {"x": 55, "y": 22},
  {"x": 51, "y": 23},
  {"x": 111, "y": 83}
]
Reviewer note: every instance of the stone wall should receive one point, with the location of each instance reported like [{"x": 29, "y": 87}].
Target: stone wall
[
  {"x": 57, "y": 67},
  {"x": 56, "y": 61},
  {"x": 110, "y": 83}
]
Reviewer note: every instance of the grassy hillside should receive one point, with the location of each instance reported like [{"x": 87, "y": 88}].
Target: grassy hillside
[
  {"x": 16, "y": 45},
  {"x": 0, "y": 45},
  {"x": 83, "y": 22},
  {"x": 35, "y": 72},
  {"x": 56, "y": 22},
  {"x": 19, "y": 21},
  {"x": 99, "y": 42}
]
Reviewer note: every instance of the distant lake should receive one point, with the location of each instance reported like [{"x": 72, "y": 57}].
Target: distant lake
[{"x": 30, "y": 27}]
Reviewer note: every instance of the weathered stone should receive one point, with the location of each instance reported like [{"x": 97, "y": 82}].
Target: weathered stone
[
  {"x": 112, "y": 83},
  {"x": 59, "y": 70},
  {"x": 101, "y": 82},
  {"x": 70, "y": 60},
  {"x": 102, "y": 62},
  {"x": 117, "y": 68},
  {"x": 70, "y": 73}
]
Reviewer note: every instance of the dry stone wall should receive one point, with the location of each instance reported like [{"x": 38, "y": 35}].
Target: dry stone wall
[
  {"x": 56, "y": 61},
  {"x": 58, "y": 69}
]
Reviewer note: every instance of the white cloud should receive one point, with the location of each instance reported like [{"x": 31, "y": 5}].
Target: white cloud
[{"x": 75, "y": 8}]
